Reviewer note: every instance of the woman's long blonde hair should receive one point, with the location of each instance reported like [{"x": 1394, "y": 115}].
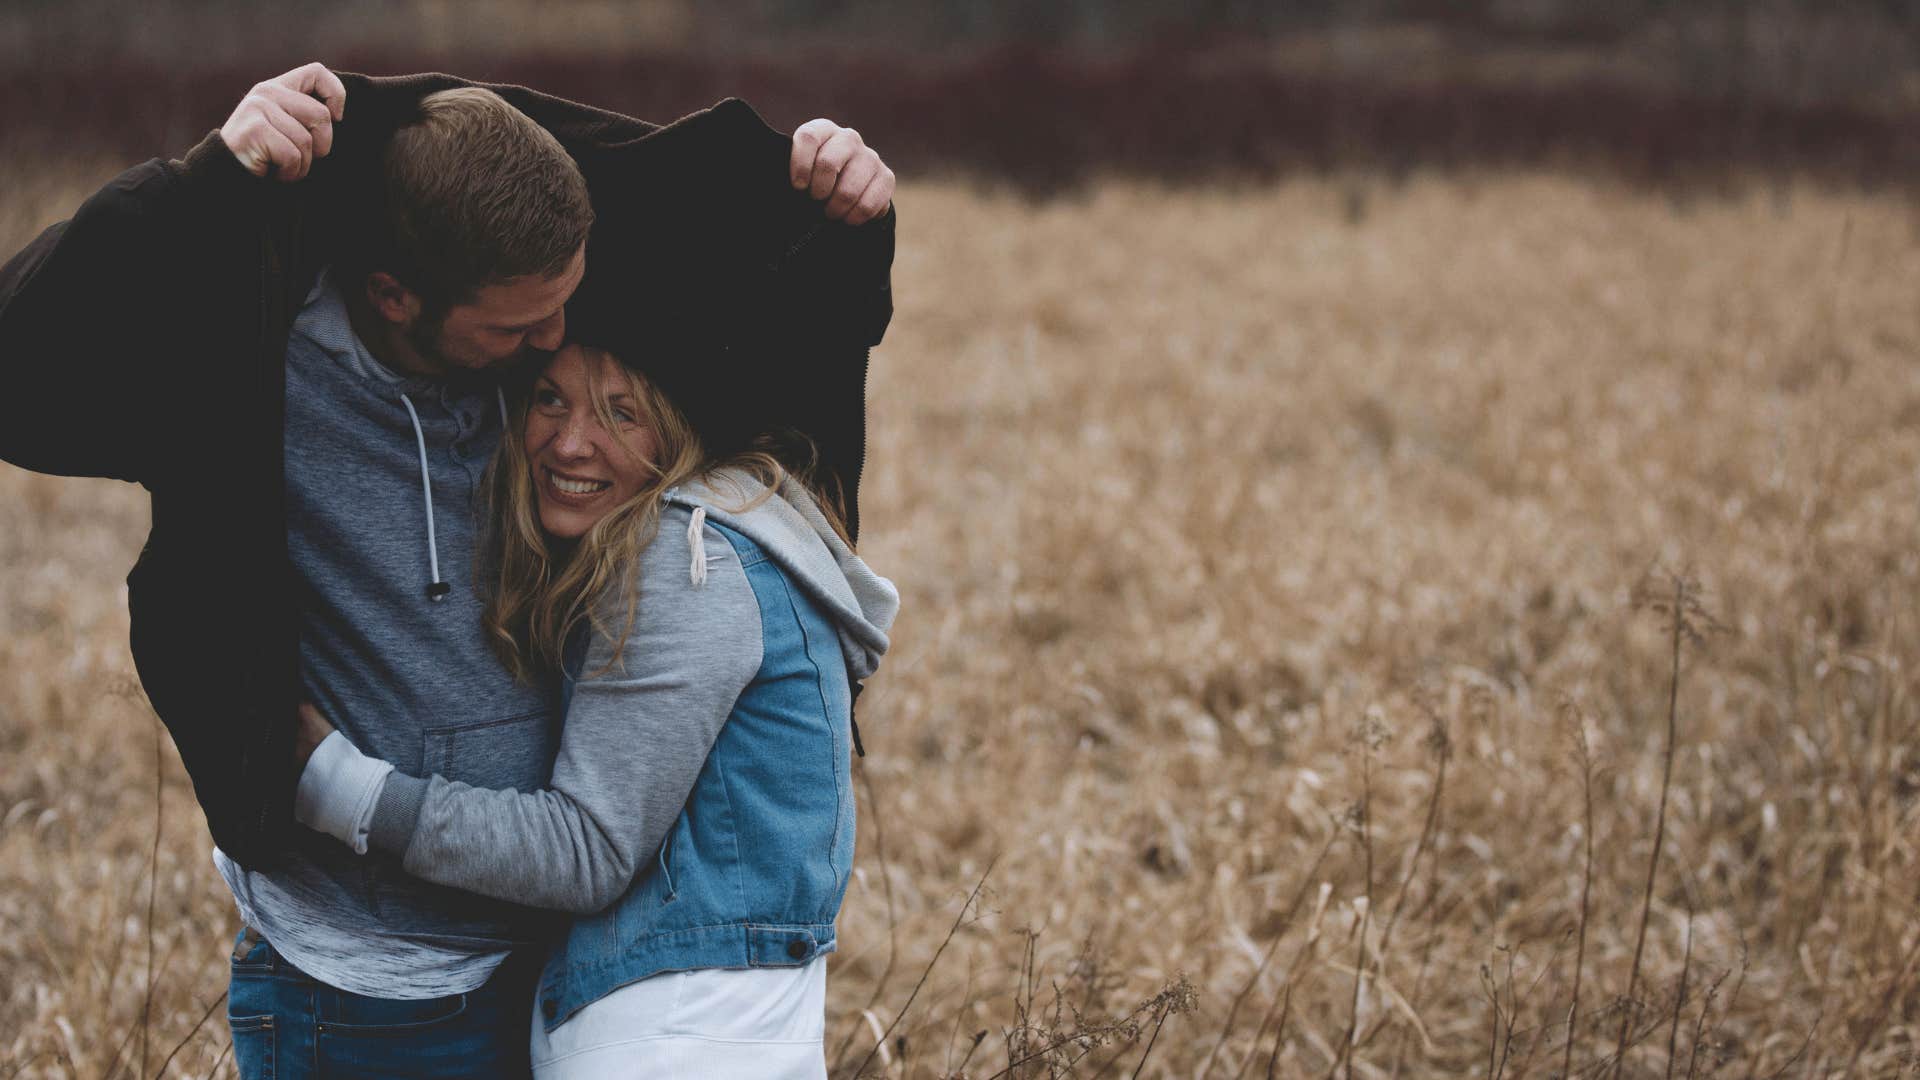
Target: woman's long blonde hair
[{"x": 542, "y": 589}]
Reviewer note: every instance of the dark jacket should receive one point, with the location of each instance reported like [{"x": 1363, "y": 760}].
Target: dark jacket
[{"x": 144, "y": 339}]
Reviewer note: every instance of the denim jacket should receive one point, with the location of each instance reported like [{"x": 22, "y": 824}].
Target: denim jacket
[
  {"x": 700, "y": 809},
  {"x": 753, "y": 872}
]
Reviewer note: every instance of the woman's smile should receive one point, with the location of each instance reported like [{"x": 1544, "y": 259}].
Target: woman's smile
[{"x": 574, "y": 487}]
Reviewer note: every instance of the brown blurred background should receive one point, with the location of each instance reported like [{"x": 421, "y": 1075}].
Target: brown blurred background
[
  {"x": 1273, "y": 513},
  {"x": 1045, "y": 95}
]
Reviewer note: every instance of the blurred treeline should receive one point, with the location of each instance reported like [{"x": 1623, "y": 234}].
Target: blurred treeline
[{"x": 1046, "y": 94}]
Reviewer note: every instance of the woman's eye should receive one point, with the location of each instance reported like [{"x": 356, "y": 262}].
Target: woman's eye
[
  {"x": 624, "y": 416},
  {"x": 545, "y": 398}
]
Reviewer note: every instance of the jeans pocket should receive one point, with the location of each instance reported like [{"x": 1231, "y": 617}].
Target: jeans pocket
[
  {"x": 252, "y": 1046},
  {"x": 374, "y": 1018}
]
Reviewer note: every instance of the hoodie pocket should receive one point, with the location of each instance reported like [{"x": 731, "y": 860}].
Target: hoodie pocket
[{"x": 515, "y": 752}]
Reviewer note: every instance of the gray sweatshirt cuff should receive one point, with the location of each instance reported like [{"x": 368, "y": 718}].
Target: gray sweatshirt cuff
[
  {"x": 397, "y": 813},
  {"x": 337, "y": 791}
]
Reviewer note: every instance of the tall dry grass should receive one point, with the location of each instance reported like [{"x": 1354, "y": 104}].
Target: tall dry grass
[{"x": 1270, "y": 560}]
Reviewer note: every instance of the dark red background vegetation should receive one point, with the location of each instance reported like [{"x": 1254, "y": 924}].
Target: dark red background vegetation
[{"x": 1045, "y": 118}]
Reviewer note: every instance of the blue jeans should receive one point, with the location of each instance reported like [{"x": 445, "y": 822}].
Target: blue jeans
[{"x": 287, "y": 1025}]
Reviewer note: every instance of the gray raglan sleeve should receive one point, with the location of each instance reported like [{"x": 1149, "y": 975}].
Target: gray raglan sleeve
[{"x": 634, "y": 742}]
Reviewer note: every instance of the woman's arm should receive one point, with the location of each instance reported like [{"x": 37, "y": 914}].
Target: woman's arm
[{"x": 633, "y": 744}]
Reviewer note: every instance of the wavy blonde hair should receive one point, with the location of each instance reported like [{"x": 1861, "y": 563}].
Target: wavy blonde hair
[{"x": 543, "y": 589}]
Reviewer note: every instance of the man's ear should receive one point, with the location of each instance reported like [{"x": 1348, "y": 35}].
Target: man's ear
[{"x": 391, "y": 300}]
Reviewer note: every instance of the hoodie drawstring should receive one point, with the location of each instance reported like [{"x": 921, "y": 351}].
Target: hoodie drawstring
[
  {"x": 437, "y": 590},
  {"x": 697, "y": 572}
]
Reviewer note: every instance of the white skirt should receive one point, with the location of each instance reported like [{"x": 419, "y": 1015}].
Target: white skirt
[{"x": 764, "y": 1023}]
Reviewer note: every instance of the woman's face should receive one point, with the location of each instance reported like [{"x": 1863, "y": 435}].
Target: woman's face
[{"x": 581, "y": 470}]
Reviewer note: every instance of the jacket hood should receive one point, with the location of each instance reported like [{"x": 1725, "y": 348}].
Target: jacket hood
[{"x": 789, "y": 527}]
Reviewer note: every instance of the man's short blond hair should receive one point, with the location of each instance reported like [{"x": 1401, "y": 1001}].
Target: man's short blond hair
[{"x": 477, "y": 193}]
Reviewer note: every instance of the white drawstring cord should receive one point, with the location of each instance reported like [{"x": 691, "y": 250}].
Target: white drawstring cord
[
  {"x": 506, "y": 426},
  {"x": 698, "y": 571},
  {"x": 438, "y": 590}
]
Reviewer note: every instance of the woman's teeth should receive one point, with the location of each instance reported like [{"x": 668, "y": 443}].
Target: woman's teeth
[{"x": 578, "y": 487}]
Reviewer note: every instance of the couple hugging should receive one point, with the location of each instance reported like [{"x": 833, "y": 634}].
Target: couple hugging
[{"x": 501, "y": 595}]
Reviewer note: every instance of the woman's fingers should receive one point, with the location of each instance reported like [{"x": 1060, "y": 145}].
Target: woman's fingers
[
  {"x": 311, "y": 730},
  {"x": 312, "y": 720}
]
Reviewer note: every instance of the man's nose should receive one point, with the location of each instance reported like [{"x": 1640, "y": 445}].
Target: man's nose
[{"x": 547, "y": 336}]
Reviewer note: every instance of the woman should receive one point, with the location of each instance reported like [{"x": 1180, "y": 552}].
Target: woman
[{"x": 710, "y": 624}]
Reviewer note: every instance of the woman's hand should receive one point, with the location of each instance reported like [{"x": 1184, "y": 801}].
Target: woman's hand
[{"x": 313, "y": 730}]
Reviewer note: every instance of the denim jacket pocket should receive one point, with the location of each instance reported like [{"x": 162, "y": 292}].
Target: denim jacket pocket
[{"x": 666, "y": 869}]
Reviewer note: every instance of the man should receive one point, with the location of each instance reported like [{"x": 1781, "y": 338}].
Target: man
[{"x": 290, "y": 337}]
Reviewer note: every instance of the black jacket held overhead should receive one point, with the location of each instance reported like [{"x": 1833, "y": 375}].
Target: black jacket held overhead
[{"x": 145, "y": 339}]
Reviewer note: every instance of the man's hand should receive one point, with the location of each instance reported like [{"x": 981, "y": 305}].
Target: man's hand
[
  {"x": 833, "y": 163},
  {"x": 286, "y": 122},
  {"x": 312, "y": 731}
]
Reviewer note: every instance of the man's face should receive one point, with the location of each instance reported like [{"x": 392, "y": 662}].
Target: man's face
[{"x": 502, "y": 325}]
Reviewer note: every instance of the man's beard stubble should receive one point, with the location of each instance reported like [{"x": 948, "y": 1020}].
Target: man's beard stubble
[{"x": 427, "y": 337}]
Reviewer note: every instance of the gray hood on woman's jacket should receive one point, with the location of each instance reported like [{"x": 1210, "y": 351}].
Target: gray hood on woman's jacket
[{"x": 790, "y": 527}]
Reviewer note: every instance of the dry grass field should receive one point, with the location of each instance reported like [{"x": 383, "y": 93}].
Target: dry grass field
[{"x": 1287, "y": 644}]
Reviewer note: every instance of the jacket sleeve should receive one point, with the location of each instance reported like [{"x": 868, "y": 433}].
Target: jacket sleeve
[
  {"x": 93, "y": 310},
  {"x": 845, "y": 273},
  {"x": 633, "y": 744},
  {"x": 839, "y": 286}
]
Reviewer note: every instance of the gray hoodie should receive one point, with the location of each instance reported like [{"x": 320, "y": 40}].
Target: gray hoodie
[
  {"x": 634, "y": 737},
  {"x": 383, "y": 476}
]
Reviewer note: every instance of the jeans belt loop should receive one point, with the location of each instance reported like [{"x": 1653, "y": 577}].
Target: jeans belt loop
[{"x": 246, "y": 943}]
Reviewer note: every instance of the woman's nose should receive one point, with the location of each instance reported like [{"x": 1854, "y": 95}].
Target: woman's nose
[{"x": 574, "y": 440}]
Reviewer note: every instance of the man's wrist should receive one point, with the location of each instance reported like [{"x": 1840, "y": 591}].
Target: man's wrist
[{"x": 211, "y": 164}]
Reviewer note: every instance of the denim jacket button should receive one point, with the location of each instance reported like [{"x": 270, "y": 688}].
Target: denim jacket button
[
  {"x": 797, "y": 949},
  {"x": 550, "y": 1008}
]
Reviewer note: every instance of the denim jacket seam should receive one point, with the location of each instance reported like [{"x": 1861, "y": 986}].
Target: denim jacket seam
[
  {"x": 719, "y": 760},
  {"x": 807, "y": 647}
]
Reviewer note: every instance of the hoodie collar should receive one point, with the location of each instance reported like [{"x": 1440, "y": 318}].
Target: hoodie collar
[{"x": 325, "y": 322}]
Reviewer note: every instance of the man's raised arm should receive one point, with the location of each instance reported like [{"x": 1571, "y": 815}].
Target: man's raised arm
[
  {"x": 83, "y": 322},
  {"x": 99, "y": 312}
]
